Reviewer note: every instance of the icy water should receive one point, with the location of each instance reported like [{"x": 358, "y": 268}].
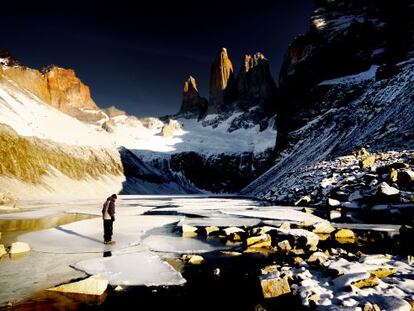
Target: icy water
[{"x": 66, "y": 242}]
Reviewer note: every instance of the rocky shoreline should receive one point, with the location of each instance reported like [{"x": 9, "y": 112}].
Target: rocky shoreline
[{"x": 264, "y": 263}]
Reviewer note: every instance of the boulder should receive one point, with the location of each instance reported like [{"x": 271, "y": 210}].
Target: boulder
[
  {"x": 284, "y": 246},
  {"x": 119, "y": 288},
  {"x": 261, "y": 241},
  {"x": 333, "y": 202},
  {"x": 317, "y": 257},
  {"x": 274, "y": 286},
  {"x": 334, "y": 214},
  {"x": 19, "y": 247},
  {"x": 323, "y": 228},
  {"x": 212, "y": 230},
  {"x": 367, "y": 282},
  {"x": 2, "y": 250},
  {"x": 382, "y": 272},
  {"x": 393, "y": 175},
  {"x": 235, "y": 234},
  {"x": 285, "y": 226},
  {"x": 232, "y": 230},
  {"x": 361, "y": 153},
  {"x": 385, "y": 189},
  {"x": 272, "y": 269},
  {"x": 93, "y": 285},
  {"x": 189, "y": 231},
  {"x": 367, "y": 161},
  {"x": 109, "y": 126},
  {"x": 299, "y": 238},
  {"x": 371, "y": 307},
  {"x": 193, "y": 259},
  {"x": 344, "y": 236}
]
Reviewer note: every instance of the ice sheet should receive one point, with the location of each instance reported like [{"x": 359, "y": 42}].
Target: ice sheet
[
  {"x": 142, "y": 268},
  {"x": 277, "y": 213},
  {"x": 219, "y": 222},
  {"x": 87, "y": 236},
  {"x": 172, "y": 244}
]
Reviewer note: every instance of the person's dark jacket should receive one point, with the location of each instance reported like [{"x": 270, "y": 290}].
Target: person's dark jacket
[{"x": 111, "y": 208}]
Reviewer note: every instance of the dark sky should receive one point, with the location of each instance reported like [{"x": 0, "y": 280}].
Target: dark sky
[{"x": 137, "y": 57}]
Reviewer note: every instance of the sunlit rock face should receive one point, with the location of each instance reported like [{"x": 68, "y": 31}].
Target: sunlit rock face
[
  {"x": 56, "y": 86},
  {"x": 113, "y": 111},
  {"x": 222, "y": 83},
  {"x": 255, "y": 83},
  {"x": 192, "y": 104},
  {"x": 69, "y": 94}
]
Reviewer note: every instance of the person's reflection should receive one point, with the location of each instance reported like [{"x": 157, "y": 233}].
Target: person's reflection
[{"x": 107, "y": 254}]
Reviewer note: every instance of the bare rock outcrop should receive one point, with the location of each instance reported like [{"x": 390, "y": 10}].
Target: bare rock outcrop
[
  {"x": 192, "y": 104},
  {"x": 222, "y": 83}
]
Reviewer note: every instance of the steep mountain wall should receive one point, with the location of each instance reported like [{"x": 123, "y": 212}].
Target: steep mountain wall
[{"x": 346, "y": 84}]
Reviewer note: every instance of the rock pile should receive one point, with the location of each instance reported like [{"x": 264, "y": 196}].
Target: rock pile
[{"x": 319, "y": 264}]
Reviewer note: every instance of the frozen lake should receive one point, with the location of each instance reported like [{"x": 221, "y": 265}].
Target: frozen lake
[{"x": 66, "y": 239}]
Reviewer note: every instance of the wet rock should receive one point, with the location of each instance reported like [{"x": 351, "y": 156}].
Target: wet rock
[
  {"x": 93, "y": 285},
  {"x": 119, "y": 289},
  {"x": 233, "y": 230},
  {"x": 216, "y": 272},
  {"x": 189, "y": 231},
  {"x": 334, "y": 214},
  {"x": 2, "y": 250},
  {"x": 344, "y": 236},
  {"x": 261, "y": 241},
  {"x": 19, "y": 247},
  {"x": 234, "y": 234},
  {"x": 193, "y": 259},
  {"x": 274, "y": 286},
  {"x": 212, "y": 230}
]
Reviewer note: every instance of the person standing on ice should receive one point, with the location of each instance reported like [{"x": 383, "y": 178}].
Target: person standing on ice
[{"x": 108, "y": 215}]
